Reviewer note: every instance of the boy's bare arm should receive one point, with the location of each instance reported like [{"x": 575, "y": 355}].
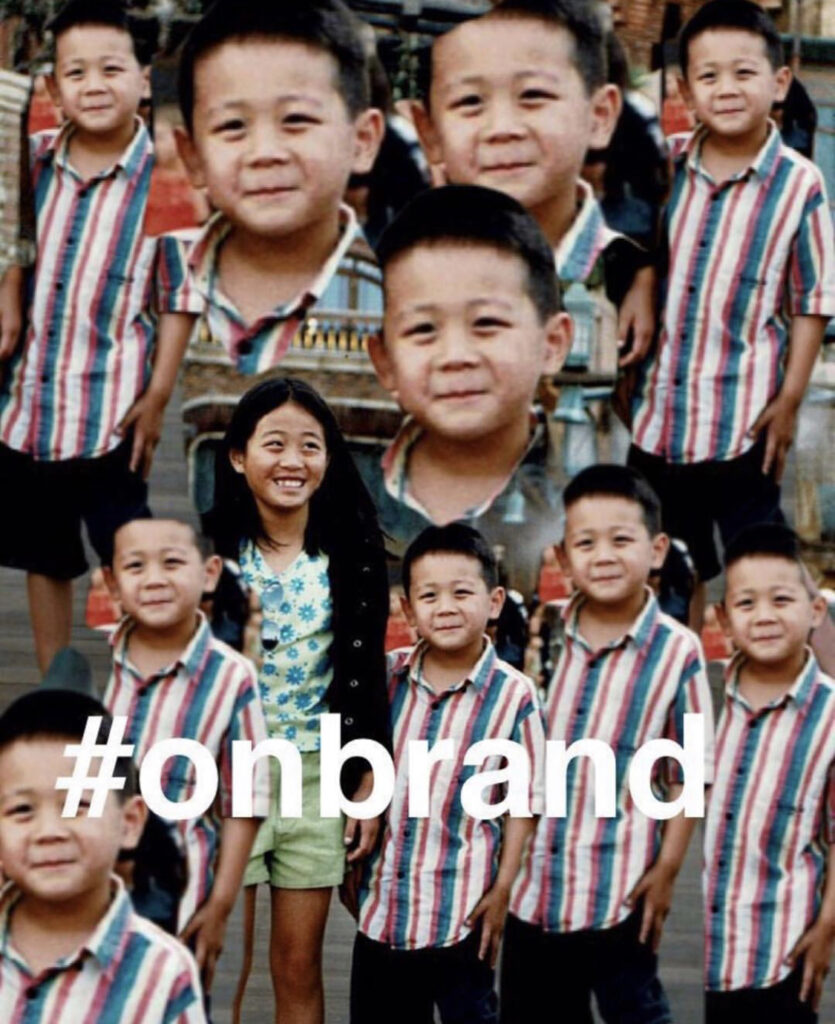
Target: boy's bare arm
[
  {"x": 637, "y": 313},
  {"x": 208, "y": 925},
  {"x": 815, "y": 946},
  {"x": 11, "y": 310},
  {"x": 656, "y": 885},
  {"x": 492, "y": 907},
  {"x": 780, "y": 415},
  {"x": 146, "y": 414}
]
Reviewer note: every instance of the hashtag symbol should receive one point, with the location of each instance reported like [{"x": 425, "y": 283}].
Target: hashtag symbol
[{"x": 100, "y": 784}]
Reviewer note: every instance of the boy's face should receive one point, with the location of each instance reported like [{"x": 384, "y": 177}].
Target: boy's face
[
  {"x": 768, "y": 612},
  {"x": 449, "y": 603},
  {"x": 272, "y": 140},
  {"x": 159, "y": 575},
  {"x": 510, "y": 111},
  {"x": 55, "y": 859},
  {"x": 464, "y": 346},
  {"x": 98, "y": 83},
  {"x": 608, "y": 550},
  {"x": 731, "y": 85}
]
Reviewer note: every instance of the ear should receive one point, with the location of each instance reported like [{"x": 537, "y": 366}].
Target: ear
[
  {"x": 212, "y": 569},
  {"x": 559, "y": 333},
  {"x": 146, "y": 82},
  {"x": 236, "y": 458},
  {"x": 660, "y": 547},
  {"x": 820, "y": 610},
  {"x": 606, "y": 104},
  {"x": 562, "y": 558},
  {"x": 783, "y": 78},
  {"x": 686, "y": 94},
  {"x": 497, "y": 596},
  {"x": 722, "y": 616},
  {"x": 405, "y": 604},
  {"x": 369, "y": 129},
  {"x": 110, "y": 581},
  {"x": 134, "y": 816},
  {"x": 382, "y": 362},
  {"x": 429, "y": 140},
  {"x": 53, "y": 90},
  {"x": 191, "y": 158}
]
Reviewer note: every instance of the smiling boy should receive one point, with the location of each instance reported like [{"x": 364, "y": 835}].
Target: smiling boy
[
  {"x": 472, "y": 321},
  {"x": 173, "y": 680},
  {"x": 769, "y": 866},
  {"x": 275, "y": 103},
  {"x": 70, "y": 944}
]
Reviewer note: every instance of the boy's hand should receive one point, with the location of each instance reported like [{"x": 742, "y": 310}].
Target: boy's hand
[
  {"x": 145, "y": 416},
  {"x": 637, "y": 314},
  {"x": 778, "y": 420},
  {"x": 656, "y": 890},
  {"x": 208, "y": 926},
  {"x": 11, "y": 310},
  {"x": 815, "y": 949},
  {"x": 492, "y": 910},
  {"x": 349, "y": 891},
  {"x": 362, "y": 832}
]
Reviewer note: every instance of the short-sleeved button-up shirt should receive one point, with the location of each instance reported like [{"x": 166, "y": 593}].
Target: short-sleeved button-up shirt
[
  {"x": 296, "y": 635},
  {"x": 429, "y": 873},
  {"x": 99, "y": 282},
  {"x": 582, "y": 246},
  {"x": 210, "y": 695},
  {"x": 770, "y": 821},
  {"x": 223, "y": 331},
  {"x": 127, "y": 972},
  {"x": 581, "y": 868},
  {"x": 745, "y": 257}
]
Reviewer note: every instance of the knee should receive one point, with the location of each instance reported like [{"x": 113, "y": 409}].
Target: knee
[{"x": 297, "y": 969}]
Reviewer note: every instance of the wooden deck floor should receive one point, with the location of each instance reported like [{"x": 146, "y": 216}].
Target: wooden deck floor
[{"x": 681, "y": 956}]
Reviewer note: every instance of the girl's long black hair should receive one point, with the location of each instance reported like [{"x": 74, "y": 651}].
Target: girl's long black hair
[{"x": 342, "y": 514}]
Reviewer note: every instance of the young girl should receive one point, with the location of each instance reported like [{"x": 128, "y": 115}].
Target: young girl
[{"x": 291, "y": 508}]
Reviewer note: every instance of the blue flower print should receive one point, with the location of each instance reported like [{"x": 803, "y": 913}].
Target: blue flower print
[
  {"x": 297, "y": 585},
  {"x": 265, "y": 692},
  {"x": 269, "y": 670},
  {"x": 285, "y": 608},
  {"x": 307, "y": 612},
  {"x": 295, "y": 675},
  {"x": 293, "y": 653},
  {"x": 286, "y": 633},
  {"x": 283, "y": 697},
  {"x": 290, "y": 732},
  {"x": 323, "y": 579},
  {"x": 312, "y": 725},
  {"x": 313, "y": 645},
  {"x": 302, "y": 701}
]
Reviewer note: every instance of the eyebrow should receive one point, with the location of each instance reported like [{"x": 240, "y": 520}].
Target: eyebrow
[
  {"x": 422, "y": 308},
  {"x": 291, "y": 97}
]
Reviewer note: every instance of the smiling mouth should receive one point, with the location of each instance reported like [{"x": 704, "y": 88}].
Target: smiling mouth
[
  {"x": 458, "y": 395},
  {"x": 289, "y": 483},
  {"x": 269, "y": 190}
]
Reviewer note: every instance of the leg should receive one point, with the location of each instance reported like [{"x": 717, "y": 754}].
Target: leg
[
  {"x": 626, "y": 982},
  {"x": 464, "y": 989},
  {"x": 50, "y": 611},
  {"x": 296, "y": 935},
  {"x": 389, "y": 984},
  {"x": 249, "y": 943}
]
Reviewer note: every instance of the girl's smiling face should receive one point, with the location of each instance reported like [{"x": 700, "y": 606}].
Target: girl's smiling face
[{"x": 285, "y": 459}]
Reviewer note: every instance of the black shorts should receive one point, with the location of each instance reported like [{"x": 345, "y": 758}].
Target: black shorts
[
  {"x": 696, "y": 497},
  {"x": 779, "y": 1004},
  {"x": 45, "y": 503}
]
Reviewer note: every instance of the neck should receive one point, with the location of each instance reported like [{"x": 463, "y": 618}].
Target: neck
[
  {"x": 495, "y": 454},
  {"x": 442, "y": 669},
  {"x": 299, "y": 254},
  {"x": 151, "y": 649},
  {"x": 602, "y": 622},
  {"x": 739, "y": 149},
  {"x": 556, "y": 216},
  {"x": 70, "y": 921},
  {"x": 781, "y": 673},
  {"x": 101, "y": 149},
  {"x": 284, "y": 528}
]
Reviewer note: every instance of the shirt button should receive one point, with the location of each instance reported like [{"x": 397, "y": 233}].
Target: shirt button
[
  {"x": 349, "y": 722},
  {"x": 354, "y": 683},
  {"x": 753, "y": 723},
  {"x": 401, "y": 874},
  {"x": 357, "y": 643},
  {"x": 31, "y": 993},
  {"x": 691, "y": 288},
  {"x": 714, "y": 909},
  {"x": 729, "y": 816},
  {"x": 363, "y": 605},
  {"x": 581, "y": 711},
  {"x": 366, "y": 569},
  {"x": 59, "y": 286},
  {"x": 244, "y": 348},
  {"x": 435, "y": 707}
]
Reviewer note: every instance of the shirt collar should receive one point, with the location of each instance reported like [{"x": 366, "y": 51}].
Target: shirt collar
[
  {"x": 105, "y": 943},
  {"x": 799, "y": 692},
  {"x": 395, "y": 464},
  {"x": 477, "y": 677},
  {"x": 203, "y": 261},
  {"x": 191, "y": 660},
  {"x": 581, "y": 246},
  {"x": 638, "y": 633},
  {"x": 136, "y": 152},
  {"x": 762, "y": 165}
]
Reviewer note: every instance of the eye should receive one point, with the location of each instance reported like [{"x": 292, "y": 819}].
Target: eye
[
  {"x": 112, "y": 69},
  {"x": 421, "y": 331},
  {"x": 73, "y": 73},
  {"x": 584, "y": 545},
  {"x": 274, "y": 444},
  {"x": 489, "y": 324},
  {"x": 706, "y": 76},
  {"x": 133, "y": 566},
  {"x": 536, "y": 95},
  {"x": 312, "y": 446},
  {"x": 231, "y": 126},
  {"x": 468, "y": 102},
  {"x": 623, "y": 538},
  {"x": 463, "y": 592},
  {"x": 299, "y": 119},
  {"x": 20, "y": 809},
  {"x": 174, "y": 563},
  {"x": 744, "y": 604}
]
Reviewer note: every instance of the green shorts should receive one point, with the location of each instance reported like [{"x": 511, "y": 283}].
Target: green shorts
[{"x": 298, "y": 853}]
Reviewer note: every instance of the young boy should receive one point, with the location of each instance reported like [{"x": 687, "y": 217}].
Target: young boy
[
  {"x": 515, "y": 100},
  {"x": 750, "y": 286},
  {"x": 71, "y": 946},
  {"x": 433, "y": 898},
  {"x": 769, "y": 869},
  {"x": 589, "y": 906},
  {"x": 472, "y": 321},
  {"x": 275, "y": 102},
  {"x": 172, "y": 679},
  {"x": 80, "y": 404}
]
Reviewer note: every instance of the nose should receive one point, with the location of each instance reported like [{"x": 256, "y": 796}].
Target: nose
[
  {"x": 154, "y": 575},
  {"x": 455, "y": 347},
  {"x": 266, "y": 143},
  {"x": 502, "y": 121},
  {"x": 290, "y": 456},
  {"x": 50, "y": 826},
  {"x": 94, "y": 81},
  {"x": 728, "y": 84}
]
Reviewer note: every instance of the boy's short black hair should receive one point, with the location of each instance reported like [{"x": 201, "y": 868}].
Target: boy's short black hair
[
  {"x": 109, "y": 13},
  {"x": 731, "y": 14},
  {"x": 452, "y": 539},
  {"x": 470, "y": 215},
  {"x": 205, "y": 545},
  {"x": 611, "y": 481},
  {"x": 58, "y": 714},
  {"x": 772, "y": 540},
  {"x": 327, "y": 25}
]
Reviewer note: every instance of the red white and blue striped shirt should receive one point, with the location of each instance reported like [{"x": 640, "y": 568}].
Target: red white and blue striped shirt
[
  {"x": 99, "y": 282},
  {"x": 581, "y": 247},
  {"x": 581, "y": 868},
  {"x": 127, "y": 972},
  {"x": 210, "y": 694},
  {"x": 429, "y": 873},
  {"x": 745, "y": 257},
  {"x": 770, "y": 820}
]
